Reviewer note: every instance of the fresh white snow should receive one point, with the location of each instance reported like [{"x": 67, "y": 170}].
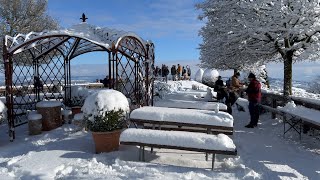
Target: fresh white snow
[
  {"x": 310, "y": 114},
  {"x": 192, "y": 116},
  {"x": 64, "y": 153},
  {"x": 34, "y": 116},
  {"x": 176, "y": 138},
  {"x": 175, "y": 103},
  {"x": 102, "y": 101},
  {"x": 199, "y": 75},
  {"x": 47, "y": 104}
]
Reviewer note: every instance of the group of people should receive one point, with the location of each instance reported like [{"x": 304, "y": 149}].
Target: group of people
[
  {"x": 106, "y": 81},
  {"x": 233, "y": 89},
  {"x": 177, "y": 72}
]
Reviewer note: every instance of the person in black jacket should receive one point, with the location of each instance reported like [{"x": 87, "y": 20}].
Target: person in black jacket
[
  {"x": 173, "y": 72},
  {"x": 221, "y": 89},
  {"x": 165, "y": 72}
]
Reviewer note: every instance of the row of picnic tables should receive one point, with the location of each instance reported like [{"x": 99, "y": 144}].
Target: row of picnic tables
[{"x": 192, "y": 125}]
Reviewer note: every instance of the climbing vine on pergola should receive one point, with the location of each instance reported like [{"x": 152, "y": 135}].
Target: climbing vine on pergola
[{"x": 47, "y": 55}]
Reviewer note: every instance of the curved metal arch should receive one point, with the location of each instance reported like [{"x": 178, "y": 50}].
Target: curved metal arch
[
  {"x": 29, "y": 42},
  {"x": 120, "y": 40}
]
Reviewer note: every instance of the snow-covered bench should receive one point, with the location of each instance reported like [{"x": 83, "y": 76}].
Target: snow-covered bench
[
  {"x": 296, "y": 118},
  {"x": 192, "y": 120},
  {"x": 175, "y": 103},
  {"x": 199, "y": 142}
]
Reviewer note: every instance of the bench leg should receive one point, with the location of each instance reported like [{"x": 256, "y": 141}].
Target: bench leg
[
  {"x": 140, "y": 153},
  {"x": 153, "y": 127},
  {"x": 208, "y": 132},
  {"x": 213, "y": 157},
  {"x": 143, "y": 157}
]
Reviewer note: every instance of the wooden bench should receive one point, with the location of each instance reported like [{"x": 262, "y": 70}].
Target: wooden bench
[
  {"x": 191, "y": 120},
  {"x": 295, "y": 121},
  {"x": 198, "y": 142}
]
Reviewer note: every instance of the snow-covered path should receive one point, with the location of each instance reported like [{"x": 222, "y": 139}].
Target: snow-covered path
[{"x": 264, "y": 150}]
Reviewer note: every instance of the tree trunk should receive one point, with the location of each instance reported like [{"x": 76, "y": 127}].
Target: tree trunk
[
  {"x": 287, "y": 75},
  {"x": 235, "y": 71}
]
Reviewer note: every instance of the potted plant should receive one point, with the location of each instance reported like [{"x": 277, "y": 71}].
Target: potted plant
[
  {"x": 105, "y": 113},
  {"x": 78, "y": 96},
  {"x": 76, "y": 102}
]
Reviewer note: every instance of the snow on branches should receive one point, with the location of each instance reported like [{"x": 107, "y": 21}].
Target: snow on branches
[{"x": 239, "y": 33}]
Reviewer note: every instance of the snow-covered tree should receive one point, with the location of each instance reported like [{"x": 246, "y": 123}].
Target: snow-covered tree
[
  {"x": 261, "y": 73},
  {"x": 209, "y": 77},
  {"x": 243, "y": 32},
  {"x": 199, "y": 74},
  {"x": 23, "y": 16}
]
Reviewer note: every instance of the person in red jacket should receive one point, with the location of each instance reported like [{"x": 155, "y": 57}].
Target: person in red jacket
[{"x": 254, "y": 97}]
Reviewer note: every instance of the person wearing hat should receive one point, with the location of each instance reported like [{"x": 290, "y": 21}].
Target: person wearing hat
[{"x": 254, "y": 97}]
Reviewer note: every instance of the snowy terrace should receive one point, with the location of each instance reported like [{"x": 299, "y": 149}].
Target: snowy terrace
[{"x": 67, "y": 153}]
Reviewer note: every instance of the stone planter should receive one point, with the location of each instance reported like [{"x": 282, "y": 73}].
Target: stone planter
[
  {"x": 76, "y": 110},
  {"x": 51, "y": 114},
  {"x": 35, "y": 123},
  {"x": 106, "y": 141}
]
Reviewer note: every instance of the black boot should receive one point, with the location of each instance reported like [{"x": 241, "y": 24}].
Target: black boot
[{"x": 249, "y": 126}]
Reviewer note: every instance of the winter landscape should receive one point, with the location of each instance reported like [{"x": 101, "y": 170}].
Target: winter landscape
[{"x": 185, "y": 89}]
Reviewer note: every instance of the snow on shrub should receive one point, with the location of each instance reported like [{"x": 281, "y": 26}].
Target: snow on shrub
[
  {"x": 100, "y": 102},
  {"x": 198, "y": 76},
  {"x": 209, "y": 77}
]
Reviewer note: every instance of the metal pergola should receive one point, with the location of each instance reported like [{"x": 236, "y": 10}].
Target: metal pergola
[{"x": 47, "y": 55}]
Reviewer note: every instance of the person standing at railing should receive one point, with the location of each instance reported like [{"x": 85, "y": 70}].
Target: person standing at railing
[
  {"x": 179, "y": 71},
  {"x": 173, "y": 72},
  {"x": 254, "y": 97}
]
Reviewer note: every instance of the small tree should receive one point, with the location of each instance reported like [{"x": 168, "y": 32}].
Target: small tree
[
  {"x": 23, "y": 16},
  {"x": 243, "y": 32}
]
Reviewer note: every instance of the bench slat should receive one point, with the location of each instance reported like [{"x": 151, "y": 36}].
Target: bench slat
[
  {"x": 190, "y": 129},
  {"x": 181, "y": 124},
  {"x": 226, "y": 152}
]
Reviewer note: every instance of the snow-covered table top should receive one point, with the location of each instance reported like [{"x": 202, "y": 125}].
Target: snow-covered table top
[
  {"x": 179, "y": 139},
  {"x": 49, "y": 104},
  {"x": 175, "y": 103},
  {"x": 190, "y": 116},
  {"x": 306, "y": 114}
]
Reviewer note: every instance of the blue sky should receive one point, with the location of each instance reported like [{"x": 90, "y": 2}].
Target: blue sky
[{"x": 171, "y": 24}]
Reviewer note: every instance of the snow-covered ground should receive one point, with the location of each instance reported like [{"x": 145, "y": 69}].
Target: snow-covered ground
[{"x": 65, "y": 153}]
